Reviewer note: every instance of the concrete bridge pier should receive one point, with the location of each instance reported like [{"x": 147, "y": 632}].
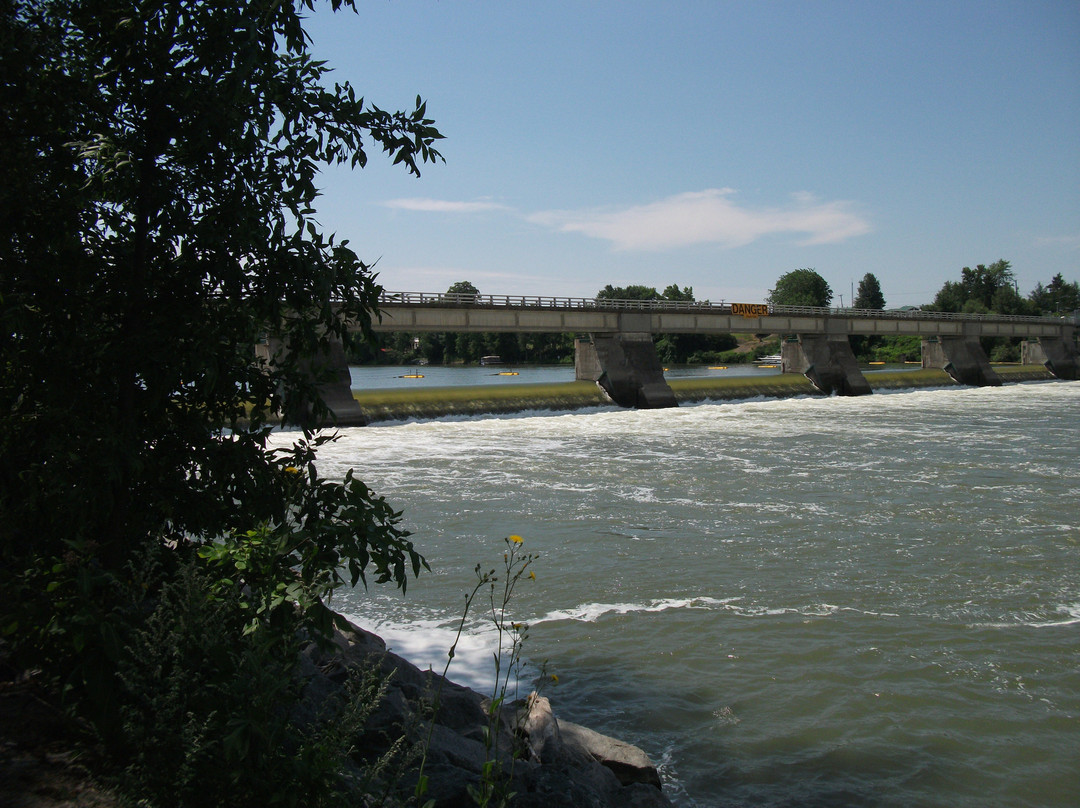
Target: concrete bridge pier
[
  {"x": 962, "y": 357},
  {"x": 827, "y": 361},
  {"x": 625, "y": 365},
  {"x": 335, "y": 389},
  {"x": 1056, "y": 354}
]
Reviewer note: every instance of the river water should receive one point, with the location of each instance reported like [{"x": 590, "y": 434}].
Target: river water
[
  {"x": 808, "y": 602},
  {"x": 422, "y": 376}
]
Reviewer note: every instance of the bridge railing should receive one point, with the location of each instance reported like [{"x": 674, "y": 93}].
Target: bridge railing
[
  {"x": 544, "y": 302},
  {"x": 715, "y": 307}
]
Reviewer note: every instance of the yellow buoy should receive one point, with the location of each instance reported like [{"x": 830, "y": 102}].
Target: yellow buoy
[{"x": 718, "y": 367}]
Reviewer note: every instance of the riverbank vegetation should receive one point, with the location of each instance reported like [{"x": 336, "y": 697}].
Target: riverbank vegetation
[{"x": 161, "y": 563}]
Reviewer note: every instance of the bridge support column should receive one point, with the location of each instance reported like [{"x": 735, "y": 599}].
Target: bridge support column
[
  {"x": 1056, "y": 354},
  {"x": 335, "y": 388},
  {"x": 626, "y": 366},
  {"x": 586, "y": 363},
  {"x": 962, "y": 358},
  {"x": 827, "y": 361}
]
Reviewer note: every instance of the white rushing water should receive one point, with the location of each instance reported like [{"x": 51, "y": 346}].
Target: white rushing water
[{"x": 804, "y": 602}]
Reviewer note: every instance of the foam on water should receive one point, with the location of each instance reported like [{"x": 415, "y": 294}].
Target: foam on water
[
  {"x": 591, "y": 612},
  {"x": 427, "y": 643},
  {"x": 1071, "y": 617}
]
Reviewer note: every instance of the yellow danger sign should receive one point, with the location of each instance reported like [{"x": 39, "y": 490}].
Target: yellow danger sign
[{"x": 750, "y": 309}]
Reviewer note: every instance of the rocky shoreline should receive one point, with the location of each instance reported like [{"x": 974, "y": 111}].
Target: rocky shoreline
[
  {"x": 556, "y": 762},
  {"x": 48, "y": 761}
]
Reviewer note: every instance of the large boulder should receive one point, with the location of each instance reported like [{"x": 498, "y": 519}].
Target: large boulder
[{"x": 628, "y": 763}]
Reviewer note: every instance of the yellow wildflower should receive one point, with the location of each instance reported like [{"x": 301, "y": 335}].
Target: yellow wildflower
[
  {"x": 516, "y": 539},
  {"x": 555, "y": 678},
  {"x": 292, "y": 470},
  {"x": 532, "y": 575}
]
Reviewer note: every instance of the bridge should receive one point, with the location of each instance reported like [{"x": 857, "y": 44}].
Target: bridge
[
  {"x": 618, "y": 352},
  {"x": 615, "y": 347}
]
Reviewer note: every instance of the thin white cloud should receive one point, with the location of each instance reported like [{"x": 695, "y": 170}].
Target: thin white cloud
[
  {"x": 1068, "y": 242},
  {"x": 709, "y": 216},
  {"x": 441, "y": 205}
]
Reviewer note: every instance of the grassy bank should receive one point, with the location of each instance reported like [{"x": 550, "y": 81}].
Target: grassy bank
[{"x": 439, "y": 402}]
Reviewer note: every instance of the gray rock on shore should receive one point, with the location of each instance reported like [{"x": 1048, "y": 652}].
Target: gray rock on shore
[{"x": 557, "y": 763}]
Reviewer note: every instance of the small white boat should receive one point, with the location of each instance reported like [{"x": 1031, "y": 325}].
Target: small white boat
[
  {"x": 771, "y": 359},
  {"x": 491, "y": 360}
]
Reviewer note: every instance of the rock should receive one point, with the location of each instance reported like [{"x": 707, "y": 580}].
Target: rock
[
  {"x": 556, "y": 762},
  {"x": 629, "y": 763},
  {"x": 541, "y": 729}
]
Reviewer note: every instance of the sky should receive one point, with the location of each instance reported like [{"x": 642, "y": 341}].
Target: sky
[{"x": 714, "y": 144}]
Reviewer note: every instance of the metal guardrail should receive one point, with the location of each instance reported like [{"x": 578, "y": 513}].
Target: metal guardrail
[{"x": 713, "y": 307}]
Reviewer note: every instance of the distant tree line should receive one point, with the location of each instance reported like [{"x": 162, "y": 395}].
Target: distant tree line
[{"x": 993, "y": 289}]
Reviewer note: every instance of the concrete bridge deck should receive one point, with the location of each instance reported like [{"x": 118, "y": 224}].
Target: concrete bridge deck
[{"x": 426, "y": 312}]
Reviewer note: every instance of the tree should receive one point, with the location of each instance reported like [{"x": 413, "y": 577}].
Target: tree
[
  {"x": 465, "y": 289},
  {"x": 673, "y": 292},
  {"x": 1006, "y": 300},
  {"x": 801, "y": 287},
  {"x": 869, "y": 295},
  {"x": 949, "y": 298},
  {"x": 974, "y": 293},
  {"x": 1056, "y": 297},
  {"x": 157, "y": 222},
  {"x": 632, "y": 292}
]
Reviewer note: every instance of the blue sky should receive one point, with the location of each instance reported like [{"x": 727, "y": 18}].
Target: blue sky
[{"x": 716, "y": 145}]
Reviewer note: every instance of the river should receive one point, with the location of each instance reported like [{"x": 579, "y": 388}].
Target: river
[
  {"x": 421, "y": 376},
  {"x": 807, "y": 602}
]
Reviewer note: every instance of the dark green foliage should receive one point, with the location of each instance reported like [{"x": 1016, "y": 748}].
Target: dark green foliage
[
  {"x": 632, "y": 292},
  {"x": 1004, "y": 350},
  {"x": 207, "y": 710},
  {"x": 673, "y": 292},
  {"x": 159, "y": 165},
  {"x": 693, "y": 349},
  {"x": 801, "y": 287},
  {"x": 463, "y": 288},
  {"x": 869, "y": 295},
  {"x": 979, "y": 290},
  {"x": 1057, "y": 297},
  {"x": 902, "y": 348}
]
